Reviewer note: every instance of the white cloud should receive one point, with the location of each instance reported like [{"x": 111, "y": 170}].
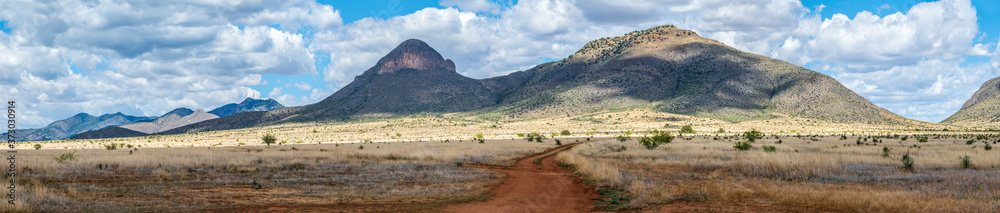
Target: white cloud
[
  {"x": 479, "y": 6},
  {"x": 149, "y": 57}
]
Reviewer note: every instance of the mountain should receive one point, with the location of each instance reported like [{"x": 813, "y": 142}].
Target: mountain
[
  {"x": 412, "y": 78},
  {"x": 662, "y": 68},
  {"x": 76, "y": 124},
  {"x": 675, "y": 70},
  {"x": 983, "y": 107},
  {"x": 173, "y": 119},
  {"x": 247, "y": 105},
  {"x": 110, "y": 132}
]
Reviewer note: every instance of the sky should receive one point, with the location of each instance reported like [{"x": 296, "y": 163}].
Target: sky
[{"x": 919, "y": 59}]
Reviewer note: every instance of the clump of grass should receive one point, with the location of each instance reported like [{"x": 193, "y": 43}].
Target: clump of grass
[
  {"x": 885, "y": 152},
  {"x": 69, "y": 156},
  {"x": 111, "y": 146},
  {"x": 907, "y": 161},
  {"x": 622, "y": 138},
  {"x": 38, "y": 146},
  {"x": 612, "y": 200},
  {"x": 255, "y": 185},
  {"x": 966, "y": 162},
  {"x": 769, "y": 148}
]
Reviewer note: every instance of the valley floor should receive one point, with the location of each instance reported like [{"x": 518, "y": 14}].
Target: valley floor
[{"x": 427, "y": 164}]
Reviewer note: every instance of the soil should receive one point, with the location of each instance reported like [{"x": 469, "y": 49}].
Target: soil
[{"x": 536, "y": 188}]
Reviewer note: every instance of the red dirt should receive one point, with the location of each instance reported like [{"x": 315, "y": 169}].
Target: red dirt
[{"x": 536, "y": 188}]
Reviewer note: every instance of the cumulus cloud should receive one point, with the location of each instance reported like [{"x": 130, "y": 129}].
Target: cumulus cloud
[{"x": 149, "y": 57}]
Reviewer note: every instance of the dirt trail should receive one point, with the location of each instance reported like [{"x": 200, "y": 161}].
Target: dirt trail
[{"x": 536, "y": 188}]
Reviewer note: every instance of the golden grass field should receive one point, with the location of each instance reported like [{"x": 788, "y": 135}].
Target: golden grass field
[{"x": 417, "y": 160}]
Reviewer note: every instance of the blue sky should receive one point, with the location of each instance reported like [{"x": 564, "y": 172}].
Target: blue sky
[{"x": 919, "y": 59}]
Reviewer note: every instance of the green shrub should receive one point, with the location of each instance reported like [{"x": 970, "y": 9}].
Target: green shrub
[
  {"x": 565, "y": 133},
  {"x": 753, "y": 135},
  {"x": 988, "y": 147},
  {"x": 922, "y": 139},
  {"x": 966, "y": 162},
  {"x": 769, "y": 148},
  {"x": 658, "y": 138},
  {"x": 907, "y": 161},
  {"x": 38, "y": 146},
  {"x": 558, "y": 143},
  {"x": 743, "y": 146},
  {"x": 687, "y": 129},
  {"x": 622, "y": 138},
  {"x": 69, "y": 156},
  {"x": 970, "y": 142},
  {"x": 885, "y": 152},
  {"x": 534, "y": 136},
  {"x": 269, "y": 139},
  {"x": 111, "y": 146}
]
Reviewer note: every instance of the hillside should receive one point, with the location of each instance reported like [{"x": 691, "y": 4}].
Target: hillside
[
  {"x": 412, "y": 78},
  {"x": 173, "y": 119},
  {"x": 248, "y": 105},
  {"x": 982, "y": 108}
]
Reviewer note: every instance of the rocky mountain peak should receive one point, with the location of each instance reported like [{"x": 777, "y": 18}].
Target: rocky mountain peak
[{"x": 413, "y": 54}]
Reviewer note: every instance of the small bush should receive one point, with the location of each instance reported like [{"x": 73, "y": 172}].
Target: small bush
[
  {"x": 558, "y": 143},
  {"x": 885, "y": 152},
  {"x": 988, "y": 147},
  {"x": 907, "y": 161},
  {"x": 769, "y": 148},
  {"x": 269, "y": 139},
  {"x": 742, "y": 146},
  {"x": 38, "y": 146},
  {"x": 966, "y": 162},
  {"x": 111, "y": 146},
  {"x": 255, "y": 185},
  {"x": 687, "y": 129},
  {"x": 753, "y": 135},
  {"x": 970, "y": 142},
  {"x": 658, "y": 138},
  {"x": 534, "y": 136},
  {"x": 922, "y": 139},
  {"x": 69, "y": 156},
  {"x": 622, "y": 138},
  {"x": 565, "y": 133}
]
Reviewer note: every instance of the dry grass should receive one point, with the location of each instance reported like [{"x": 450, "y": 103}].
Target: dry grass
[
  {"x": 408, "y": 160},
  {"x": 822, "y": 174},
  {"x": 193, "y": 178}
]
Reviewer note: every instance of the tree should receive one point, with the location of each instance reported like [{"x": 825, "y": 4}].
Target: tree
[
  {"x": 753, "y": 135},
  {"x": 269, "y": 139},
  {"x": 687, "y": 129},
  {"x": 658, "y": 138}
]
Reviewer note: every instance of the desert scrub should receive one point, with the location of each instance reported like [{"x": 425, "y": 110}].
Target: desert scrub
[{"x": 658, "y": 138}]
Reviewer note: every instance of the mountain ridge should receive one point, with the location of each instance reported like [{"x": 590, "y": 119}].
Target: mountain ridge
[{"x": 663, "y": 68}]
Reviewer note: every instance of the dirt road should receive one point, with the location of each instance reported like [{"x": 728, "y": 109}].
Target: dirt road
[{"x": 536, "y": 188}]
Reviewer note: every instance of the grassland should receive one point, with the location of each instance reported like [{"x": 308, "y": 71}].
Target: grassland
[
  {"x": 418, "y": 160},
  {"x": 815, "y": 172}
]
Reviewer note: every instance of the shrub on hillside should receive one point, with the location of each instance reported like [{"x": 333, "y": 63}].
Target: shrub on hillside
[{"x": 658, "y": 138}]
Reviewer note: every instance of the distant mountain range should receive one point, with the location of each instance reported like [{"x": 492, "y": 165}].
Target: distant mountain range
[
  {"x": 663, "y": 68},
  {"x": 119, "y": 124},
  {"x": 248, "y": 105},
  {"x": 77, "y": 124},
  {"x": 982, "y": 108}
]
